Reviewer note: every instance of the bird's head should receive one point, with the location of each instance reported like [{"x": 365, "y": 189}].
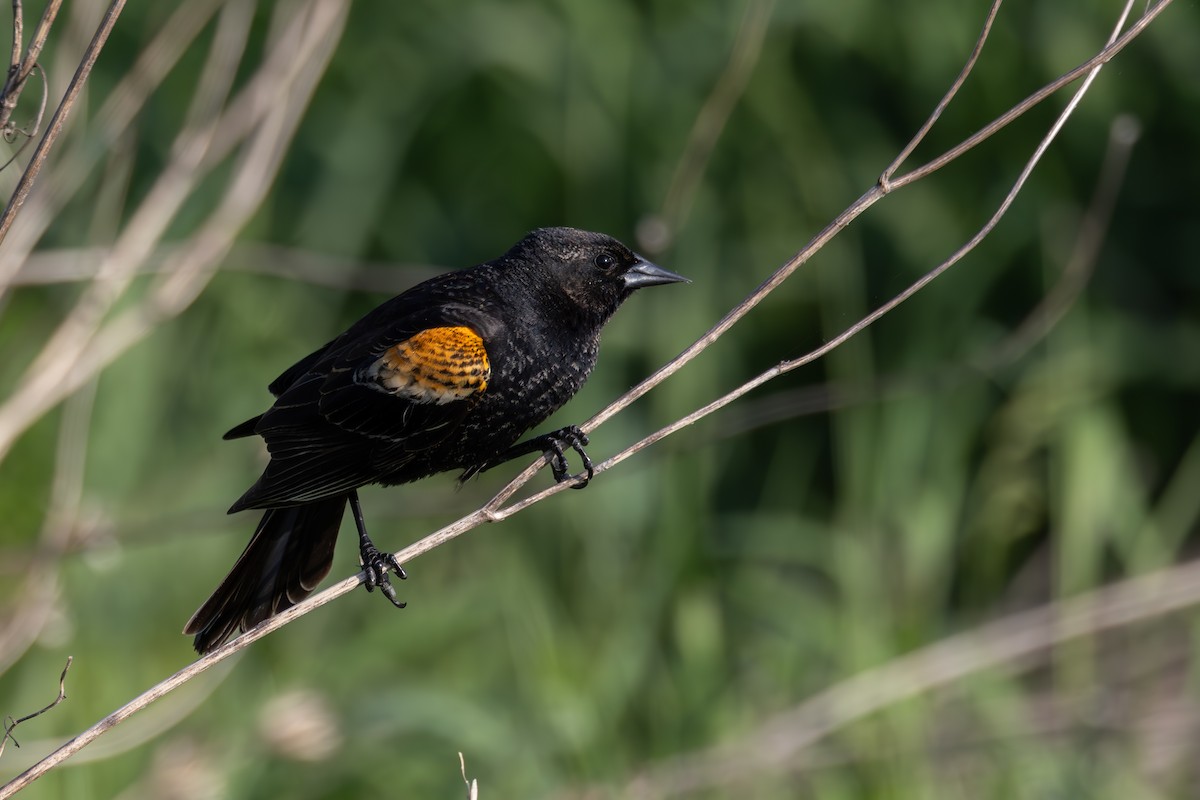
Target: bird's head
[{"x": 590, "y": 274}]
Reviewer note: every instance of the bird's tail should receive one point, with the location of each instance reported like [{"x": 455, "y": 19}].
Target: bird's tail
[{"x": 289, "y": 554}]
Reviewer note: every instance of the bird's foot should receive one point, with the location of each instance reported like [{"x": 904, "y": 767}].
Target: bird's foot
[
  {"x": 553, "y": 446},
  {"x": 377, "y": 565}
]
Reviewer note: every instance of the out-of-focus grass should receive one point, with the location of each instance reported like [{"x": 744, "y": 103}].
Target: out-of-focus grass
[{"x": 716, "y": 579}]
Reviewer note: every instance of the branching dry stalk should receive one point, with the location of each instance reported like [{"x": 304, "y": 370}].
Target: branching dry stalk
[
  {"x": 1123, "y": 135},
  {"x": 11, "y": 724},
  {"x": 1120, "y": 604}
]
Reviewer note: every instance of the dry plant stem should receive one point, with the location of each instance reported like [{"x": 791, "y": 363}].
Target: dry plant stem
[
  {"x": 187, "y": 274},
  {"x": 472, "y": 785},
  {"x": 18, "y": 41},
  {"x": 40, "y": 34},
  {"x": 1123, "y": 135},
  {"x": 149, "y": 727},
  {"x": 42, "y": 152},
  {"x": 112, "y": 720},
  {"x": 779, "y": 741},
  {"x": 994, "y": 645},
  {"x": 10, "y": 726},
  {"x": 12, "y": 83},
  {"x": 845, "y": 218},
  {"x": 849, "y": 215},
  {"x": 1115, "y": 46},
  {"x": 945, "y": 101}
]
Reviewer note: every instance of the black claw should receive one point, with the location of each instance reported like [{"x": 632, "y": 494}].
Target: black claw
[
  {"x": 553, "y": 453},
  {"x": 376, "y": 565},
  {"x": 588, "y": 467},
  {"x": 570, "y": 436}
]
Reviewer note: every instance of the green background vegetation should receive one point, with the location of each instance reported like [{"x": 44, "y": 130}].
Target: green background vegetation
[{"x": 730, "y": 572}]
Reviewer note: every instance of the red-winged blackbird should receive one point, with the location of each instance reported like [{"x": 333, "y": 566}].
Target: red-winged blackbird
[{"x": 446, "y": 376}]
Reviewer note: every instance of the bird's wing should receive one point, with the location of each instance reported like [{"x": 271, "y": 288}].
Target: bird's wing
[
  {"x": 412, "y": 386},
  {"x": 397, "y": 391}
]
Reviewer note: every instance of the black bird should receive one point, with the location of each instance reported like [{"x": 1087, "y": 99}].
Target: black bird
[{"x": 446, "y": 376}]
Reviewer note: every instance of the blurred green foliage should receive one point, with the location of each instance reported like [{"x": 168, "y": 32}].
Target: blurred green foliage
[{"x": 736, "y": 568}]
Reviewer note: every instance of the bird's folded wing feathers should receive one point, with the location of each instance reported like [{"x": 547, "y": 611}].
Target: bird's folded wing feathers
[
  {"x": 393, "y": 394},
  {"x": 414, "y": 390}
]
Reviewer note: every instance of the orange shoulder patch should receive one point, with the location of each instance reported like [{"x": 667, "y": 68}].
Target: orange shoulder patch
[{"x": 437, "y": 365}]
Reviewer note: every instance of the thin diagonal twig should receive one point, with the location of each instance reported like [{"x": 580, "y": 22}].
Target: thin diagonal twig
[
  {"x": 1115, "y": 46},
  {"x": 18, "y": 41},
  {"x": 38, "y": 41},
  {"x": 923, "y": 131}
]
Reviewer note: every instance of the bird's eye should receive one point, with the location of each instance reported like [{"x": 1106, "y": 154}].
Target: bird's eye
[{"x": 605, "y": 261}]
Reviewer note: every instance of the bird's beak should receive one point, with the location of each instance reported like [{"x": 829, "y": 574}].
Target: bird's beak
[{"x": 645, "y": 273}]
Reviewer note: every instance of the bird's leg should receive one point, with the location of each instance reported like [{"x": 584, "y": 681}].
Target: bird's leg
[
  {"x": 375, "y": 563},
  {"x": 553, "y": 445}
]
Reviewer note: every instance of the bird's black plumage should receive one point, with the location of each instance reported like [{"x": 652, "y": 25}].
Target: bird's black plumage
[{"x": 446, "y": 376}]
